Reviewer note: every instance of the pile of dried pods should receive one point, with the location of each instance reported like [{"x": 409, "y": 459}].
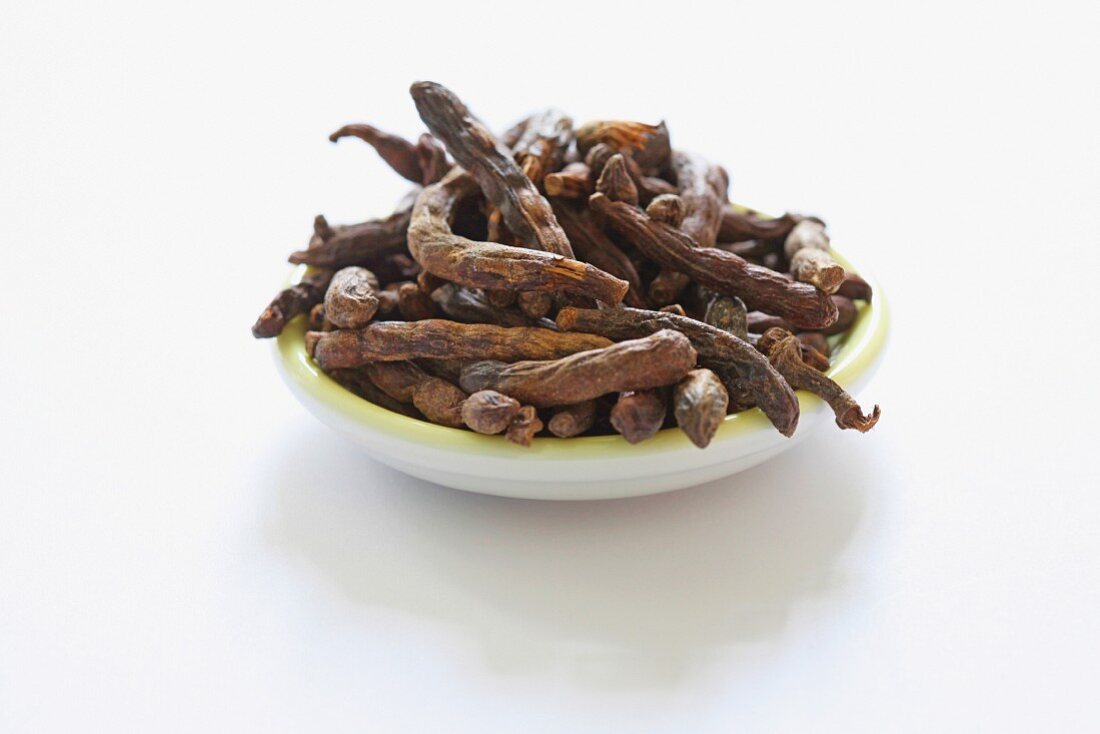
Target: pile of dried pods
[{"x": 593, "y": 278}]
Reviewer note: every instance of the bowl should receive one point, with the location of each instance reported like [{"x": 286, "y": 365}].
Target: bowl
[{"x": 582, "y": 468}]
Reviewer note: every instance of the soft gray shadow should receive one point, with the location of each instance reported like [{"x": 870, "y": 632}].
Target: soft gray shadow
[{"x": 622, "y": 593}]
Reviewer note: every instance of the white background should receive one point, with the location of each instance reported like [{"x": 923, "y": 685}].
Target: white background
[{"x": 183, "y": 548}]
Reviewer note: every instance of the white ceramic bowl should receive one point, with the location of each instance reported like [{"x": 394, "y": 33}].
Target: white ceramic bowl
[{"x": 590, "y": 467}]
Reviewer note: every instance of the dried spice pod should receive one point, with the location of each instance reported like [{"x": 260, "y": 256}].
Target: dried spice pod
[
  {"x": 357, "y": 382},
  {"x": 615, "y": 182},
  {"x": 750, "y": 249},
  {"x": 595, "y": 247},
  {"x": 523, "y": 208},
  {"x": 807, "y": 250},
  {"x": 389, "y": 341},
  {"x": 473, "y": 307},
  {"x": 803, "y": 305},
  {"x": 534, "y": 304},
  {"x": 785, "y": 352},
  {"x": 358, "y": 244},
  {"x": 317, "y": 317},
  {"x": 717, "y": 349},
  {"x": 854, "y": 288},
  {"x": 572, "y": 182},
  {"x": 649, "y": 187},
  {"x": 524, "y": 426},
  {"x": 433, "y": 159},
  {"x": 816, "y": 341},
  {"x": 440, "y": 401},
  {"x": 350, "y": 301},
  {"x": 541, "y": 147},
  {"x": 492, "y": 266},
  {"x": 414, "y": 303},
  {"x": 728, "y": 313},
  {"x": 637, "y": 364},
  {"x": 401, "y": 155},
  {"x": 388, "y": 300},
  {"x": 648, "y": 144},
  {"x": 292, "y": 301},
  {"x": 758, "y": 322},
  {"x": 429, "y": 283},
  {"x": 638, "y": 414},
  {"x": 572, "y": 420},
  {"x": 699, "y": 403},
  {"x": 667, "y": 208},
  {"x": 489, "y": 412},
  {"x": 736, "y": 226},
  {"x": 846, "y": 316}
]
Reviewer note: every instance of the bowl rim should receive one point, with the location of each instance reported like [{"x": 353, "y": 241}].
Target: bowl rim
[{"x": 860, "y": 351}]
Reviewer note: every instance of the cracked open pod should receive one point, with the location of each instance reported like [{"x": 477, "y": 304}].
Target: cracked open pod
[{"x": 586, "y": 467}]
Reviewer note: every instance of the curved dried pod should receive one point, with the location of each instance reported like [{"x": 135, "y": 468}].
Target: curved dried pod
[
  {"x": 524, "y": 426},
  {"x": 846, "y": 316},
  {"x": 817, "y": 341},
  {"x": 703, "y": 190},
  {"x": 854, "y": 288},
  {"x": 292, "y": 301},
  {"x": 785, "y": 352},
  {"x": 473, "y": 307},
  {"x": 534, "y": 304},
  {"x": 572, "y": 420},
  {"x": 489, "y": 412},
  {"x": 357, "y": 382},
  {"x": 637, "y": 364},
  {"x": 699, "y": 403},
  {"x": 401, "y": 155},
  {"x": 390, "y": 341},
  {"x": 493, "y": 266},
  {"x": 807, "y": 249},
  {"x": 717, "y": 349},
  {"x": 439, "y": 400},
  {"x": 357, "y": 244},
  {"x": 541, "y": 147},
  {"x": 414, "y": 303},
  {"x": 648, "y": 144},
  {"x": 649, "y": 187},
  {"x": 638, "y": 414},
  {"x": 803, "y": 305},
  {"x": 738, "y": 226},
  {"x": 527, "y": 214},
  {"x": 615, "y": 182},
  {"x": 728, "y": 313},
  {"x": 433, "y": 159},
  {"x": 571, "y": 182},
  {"x": 350, "y": 301},
  {"x": 758, "y": 322},
  {"x": 594, "y": 246},
  {"x": 667, "y": 208}
]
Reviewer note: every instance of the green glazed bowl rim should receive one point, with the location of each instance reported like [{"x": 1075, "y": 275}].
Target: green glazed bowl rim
[{"x": 854, "y": 358}]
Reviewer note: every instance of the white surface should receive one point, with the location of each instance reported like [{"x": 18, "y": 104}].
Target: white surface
[{"x": 183, "y": 548}]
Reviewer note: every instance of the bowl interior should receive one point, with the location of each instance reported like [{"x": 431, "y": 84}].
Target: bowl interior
[{"x": 854, "y": 354}]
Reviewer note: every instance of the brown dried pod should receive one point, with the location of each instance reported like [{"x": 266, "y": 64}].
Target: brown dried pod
[
  {"x": 854, "y": 288},
  {"x": 414, "y": 303},
  {"x": 358, "y": 244},
  {"x": 816, "y": 341},
  {"x": 751, "y": 249},
  {"x": 356, "y": 381},
  {"x": 637, "y": 364},
  {"x": 728, "y": 313},
  {"x": 534, "y": 304},
  {"x": 541, "y": 146},
  {"x": 433, "y": 159},
  {"x": 473, "y": 307},
  {"x": 523, "y": 208},
  {"x": 292, "y": 301},
  {"x": 673, "y": 308},
  {"x": 511, "y": 136},
  {"x": 350, "y": 301},
  {"x": 401, "y": 155},
  {"x": 389, "y": 341},
  {"x": 429, "y": 283},
  {"x": 667, "y": 208},
  {"x": 648, "y": 187},
  {"x": 803, "y": 305},
  {"x": 699, "y": 404},
  {"x": 638, "y": 414},
  {"x": 807, "y": 250},
  {"x": 784, "y": 351},
  {"x": 492, "y": 266},
  {"x": 501, "y": 298},
  {"x": 388, "y": 300},
  {"x": 572, "y": 420},
  {"x": 846, "y": 316},
  {"x": 572, "y": 182},
  {"x": 595, "y": 247},
  {"x": 317, "y": 317},
  {"x": 736, "y": 226},
  {"x": 648, "y": 144},
  {"x": 758, "y": 322},
  {"x": 717, "y": 349},
  {"x": 524, "y": 426},
  {"x": 489, "y": 412},
  {"x": 615, "y": 182},
  {"x": 440, "y": 401}
]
